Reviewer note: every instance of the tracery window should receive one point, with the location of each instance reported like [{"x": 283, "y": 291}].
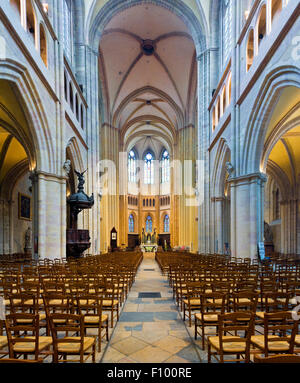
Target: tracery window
[
  {"x": 148, "y": 224},
  {"x": 148, "y": 168},
  {"x": 132, "y": 166},
  {"x": 68, "y": 32},
  {"x": 165, "y": 167},
  {"x": 166, "y": 224},
  {"x": 226, "y": 28},
  {"x": 131, "y": 223}
]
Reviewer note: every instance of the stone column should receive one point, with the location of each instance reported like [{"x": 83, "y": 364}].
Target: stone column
[
  {"x": 35, "y": 213},
  {"x": 247, "y": 210},
  {"x": 218, "y": 210},
  {"x": 89, "y": 59},
  {"x": 206, "y": 65}
]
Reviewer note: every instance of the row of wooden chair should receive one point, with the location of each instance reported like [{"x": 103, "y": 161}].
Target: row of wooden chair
[
  {"x": 249, "y": 305},
  {"x": 65, "y": 299}
]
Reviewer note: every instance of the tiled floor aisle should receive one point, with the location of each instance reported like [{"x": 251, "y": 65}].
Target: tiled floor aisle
[{"x": 150, "y": 330}]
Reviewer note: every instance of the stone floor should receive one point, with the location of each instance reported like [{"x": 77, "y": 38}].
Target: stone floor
[{"x": 151, "y": 330}]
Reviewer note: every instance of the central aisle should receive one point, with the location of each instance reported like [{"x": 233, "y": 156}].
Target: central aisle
[{"x": 150, "y": 329}]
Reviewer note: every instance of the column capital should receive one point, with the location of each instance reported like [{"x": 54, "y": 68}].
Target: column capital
[
  {"x": 217, "y": 199},
  {"x": 206, "y": 51},
  {"x": 259, "y": 178},
  {"x": 39, "y": 174}
]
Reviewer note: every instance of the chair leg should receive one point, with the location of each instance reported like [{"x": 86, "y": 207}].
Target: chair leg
[
  {"x": 99, "y": 338},
  {"x": 209, "y": 353},
  {"x": 94, "y": 353}
]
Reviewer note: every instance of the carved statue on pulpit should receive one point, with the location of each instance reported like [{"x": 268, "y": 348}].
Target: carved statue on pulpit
[{"x": 81, "y": 180}]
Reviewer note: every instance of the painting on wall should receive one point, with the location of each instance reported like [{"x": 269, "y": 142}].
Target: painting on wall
[{"x": 24, "y": 207}]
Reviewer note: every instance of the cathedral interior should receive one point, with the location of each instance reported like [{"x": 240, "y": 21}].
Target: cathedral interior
[{"x": 146, "y": 145}]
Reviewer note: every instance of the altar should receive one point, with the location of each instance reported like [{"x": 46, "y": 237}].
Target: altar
[
  {"x": 148, "y": 248},
  {"x": 149, "y": 242}
]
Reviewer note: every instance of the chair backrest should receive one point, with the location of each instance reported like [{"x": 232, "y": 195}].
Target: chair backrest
[
  {"x": 30, "y": 287},
  {"x": 245, "y": 301},
  {"x": 276, "y": 301},
  {"x": 224, "y": 287},
  {"x": 78, "y": 287},
  {"x": 195, "y": 289},
  {"x": 246, "y": 285},
  {"x": 88, "y": 304},
  {"x": 212, "y": 303},
  {"x": 53, "y": 286},
  {"x": 56, "y": 302},
  {"x": 24, "y": 302}
]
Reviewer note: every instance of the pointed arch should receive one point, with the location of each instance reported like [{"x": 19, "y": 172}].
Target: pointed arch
[
  {"x": 38, "y": 141},
  {"x": 268, "y": 96},
  {"x": 75, "y": 154},
  {"x": 219, "y": 170}
]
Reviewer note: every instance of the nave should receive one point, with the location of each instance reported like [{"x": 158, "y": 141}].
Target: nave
[{"x": 151, "y": 329}]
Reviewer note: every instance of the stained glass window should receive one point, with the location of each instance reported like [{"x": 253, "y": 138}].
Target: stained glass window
[
  {"x": 227, "y": 28},
  {"x": 131, "y": 224},
  {"x": 67, "y": 9},
  {"x": 148, "y": 224},
  {"x": 165, "y": 167},
  {"x": 132, "y": 166},
  {"x": 166, "y": 224}
]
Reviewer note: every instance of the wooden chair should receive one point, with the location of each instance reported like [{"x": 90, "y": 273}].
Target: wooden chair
[
  {"x": 192, "y": 302},
  {"x": 19, "y": 342},
  {"x": 238, "y": 345},
  {"x": 282, "y": 358},
  {"x": 110, "y": 302},
  {"x": 179, "y": 288},
  {"x": 211, "y": 306},
  {"x": 3, "y": 339},
  {"x": 90, "y": 306},
  {"x": 66, "y": 345},
  {"x": 53, "y": 286},
  {"x": 280, "y": 330}
]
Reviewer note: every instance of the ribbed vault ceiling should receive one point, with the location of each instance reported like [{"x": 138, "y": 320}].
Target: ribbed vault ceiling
[{"x": 141, "y": 91}]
